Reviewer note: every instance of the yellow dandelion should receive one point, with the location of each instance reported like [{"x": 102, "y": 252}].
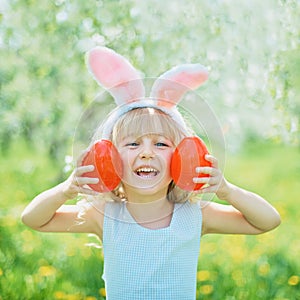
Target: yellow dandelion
[
  {"x": 46, "y": 271},
  {"x": 264, "y": 269},
  {"x": 59, "y": 295},
  {"x": 1, "y": 272},
  {"x": 27, "y": 235},
  {"x": 238, "y": 254},
  {"x": 90, "y": 298},
  {"x": 203, "y": 275},
  {"x": 294, "y": 280},
  {"x": 102, "y": 292},
  {"x": 206, "y": 289}
]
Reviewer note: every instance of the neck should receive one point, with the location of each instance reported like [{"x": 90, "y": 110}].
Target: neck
[
  {"x": 154, "y": 214},
  {"x": 144, "y": 197}
]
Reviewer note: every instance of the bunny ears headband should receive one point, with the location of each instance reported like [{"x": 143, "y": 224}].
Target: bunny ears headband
[{"x": 113, "y": 72}]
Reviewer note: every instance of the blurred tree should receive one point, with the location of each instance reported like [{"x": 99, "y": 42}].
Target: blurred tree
[{"x": 251, "y": 49}]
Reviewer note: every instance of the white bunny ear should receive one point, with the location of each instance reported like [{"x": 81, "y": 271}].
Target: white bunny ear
[
  {"x": 169, "y": 88},
  {"x": 116, "y": 74}
]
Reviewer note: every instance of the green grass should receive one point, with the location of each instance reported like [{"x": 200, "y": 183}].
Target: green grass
[
  {"x": 36, "y": 265},
  {"x": 265, "y": 266}
]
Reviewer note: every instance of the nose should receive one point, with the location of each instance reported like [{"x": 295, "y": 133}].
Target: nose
[{"x": 146, "y": 152}]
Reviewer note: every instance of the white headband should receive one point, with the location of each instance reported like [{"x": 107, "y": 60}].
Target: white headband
[{"x": 114, "y": 116}]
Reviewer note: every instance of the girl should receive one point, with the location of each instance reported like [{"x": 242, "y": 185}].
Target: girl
[{"x": 149, "y": 227}]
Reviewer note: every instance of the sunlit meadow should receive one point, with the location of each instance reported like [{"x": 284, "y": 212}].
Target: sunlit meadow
[
  {"x": 251, "y": 49},
  {"x": 69, "y": 266}
]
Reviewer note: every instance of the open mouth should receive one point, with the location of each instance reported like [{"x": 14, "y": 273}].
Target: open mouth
[{"x": 146, "y": 172}]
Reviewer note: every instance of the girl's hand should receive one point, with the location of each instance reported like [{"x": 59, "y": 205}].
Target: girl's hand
[
  {"x": 76, "y": 184},
  {"x": 215, "y": 183}
]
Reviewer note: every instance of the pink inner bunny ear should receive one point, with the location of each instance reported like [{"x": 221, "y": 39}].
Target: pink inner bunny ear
[
  {"x": 115, "y": 73},
  {"x": 170, "y": 87}
]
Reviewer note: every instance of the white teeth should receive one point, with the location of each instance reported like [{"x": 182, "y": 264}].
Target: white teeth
[{"x": 146, "y": 170}]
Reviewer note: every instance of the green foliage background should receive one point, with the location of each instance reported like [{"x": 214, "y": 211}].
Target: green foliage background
[{"x": 252, "y": 50}]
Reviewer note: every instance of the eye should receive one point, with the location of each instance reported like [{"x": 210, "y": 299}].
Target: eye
[
  {"x": 132, "y": 145},
  {"x": 161, "y": 144}
]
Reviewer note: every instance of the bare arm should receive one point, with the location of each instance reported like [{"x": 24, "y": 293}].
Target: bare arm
[
  {"x": 247, "y": 212},
  {"x": 48, "y": 212}
]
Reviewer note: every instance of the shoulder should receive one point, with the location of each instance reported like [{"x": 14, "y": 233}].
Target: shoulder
[{"x": 189, "y": 215}]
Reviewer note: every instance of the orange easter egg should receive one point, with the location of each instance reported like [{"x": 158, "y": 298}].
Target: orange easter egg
[
  {"x": 189, "y": 154},
  {"x": 108, "y": 166}
]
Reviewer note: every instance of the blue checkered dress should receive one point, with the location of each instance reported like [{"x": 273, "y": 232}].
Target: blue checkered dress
[{"x": 146, "y": 264}]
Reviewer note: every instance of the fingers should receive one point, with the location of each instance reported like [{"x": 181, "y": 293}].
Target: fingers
[
  {"x": 86, "y": 180},
  {"x": 212, "y": 160},
  {"x": 207, "y": 180},
  {"x": 83, "y": 180},
  {"x": 83, "y": 169},
  {"x": 207, "y": 170},
  {"x": 78, "y": 182},
  {"x": 214, "y": 178}
]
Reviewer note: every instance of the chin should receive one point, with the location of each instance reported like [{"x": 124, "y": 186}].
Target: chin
[{"x": 148, "y": 189}]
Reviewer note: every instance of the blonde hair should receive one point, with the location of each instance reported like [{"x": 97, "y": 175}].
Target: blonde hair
[{"x": 140, "y": 121}]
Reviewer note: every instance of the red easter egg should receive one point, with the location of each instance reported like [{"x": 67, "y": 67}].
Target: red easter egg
[
  {"x": 108, "y": 166},
  {"x": 188, "y": 155}
]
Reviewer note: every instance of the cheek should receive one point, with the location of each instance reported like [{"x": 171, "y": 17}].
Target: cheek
[
  {"x": 169, "y": 155},
  {"x": 127, "y": 158},
  {"x": 167, "y": 159}
]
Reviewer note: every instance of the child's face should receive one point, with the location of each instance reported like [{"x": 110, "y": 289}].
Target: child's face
[{"x": 146, "y": 163}]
